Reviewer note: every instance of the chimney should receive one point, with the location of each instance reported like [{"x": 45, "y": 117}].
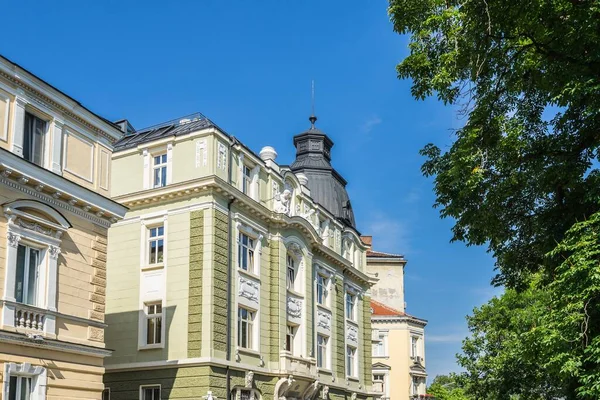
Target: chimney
[{"x": 368, "y": 240}]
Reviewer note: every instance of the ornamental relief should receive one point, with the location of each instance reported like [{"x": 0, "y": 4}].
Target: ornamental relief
[
  {"x": 294, "y": 307},
  {"x": 323, "y": 320},
  {"x": 352, "y": 334},
  {"x": 248, "y": 289}
]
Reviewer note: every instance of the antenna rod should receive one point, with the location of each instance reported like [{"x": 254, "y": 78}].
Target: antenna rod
[{"x": 313, "y": 97}]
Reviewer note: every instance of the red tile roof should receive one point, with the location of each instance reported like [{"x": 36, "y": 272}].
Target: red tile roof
[
  {"x": 380, "y": 309},
  {"x": 379, "y": 254}
]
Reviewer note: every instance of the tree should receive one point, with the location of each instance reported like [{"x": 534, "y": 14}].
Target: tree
[
  {"x": 447, "y": 387},
  {"x": 526, "y": 75}
]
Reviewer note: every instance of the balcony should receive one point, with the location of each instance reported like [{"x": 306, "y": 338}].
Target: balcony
[
  {"x": 28, "y": 319},
  {"x": 297, "y": 365}
]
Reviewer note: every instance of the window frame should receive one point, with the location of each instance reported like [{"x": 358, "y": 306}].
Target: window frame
[
  {"x": 322, "y": 294},
  {"x": 381, "y": 344},
  {"x": 26, "y": 273},
  {"x": 158, "y": 328},
  {"x": 290, "y": 267},
  {"x": 246, "y": 179},
  {"x": 158, "y": 238},
  {"x": 350, "y": 313},
  {"x": 156, "y": 386},
  {"x": 250, "y": 327},
  {"x": 290, "y": 336},
  {"x": 44, "y": 136},
  {"x": 18, "y": 384},
  {"x": 351, "y": 370},
  {"x": 247, "y": 249},
  {"x": 105, "y": 391},
  {"x": 323, "y": 347},
  {"x": 162, "y": 167}
]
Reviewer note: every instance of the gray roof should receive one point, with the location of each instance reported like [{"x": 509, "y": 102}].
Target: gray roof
[
  {"x": 327, "y": 186},
  {"x": 176, "y": 127}
]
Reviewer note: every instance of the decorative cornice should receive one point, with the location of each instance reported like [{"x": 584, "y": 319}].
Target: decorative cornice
[{"x": 56, "y": 345}]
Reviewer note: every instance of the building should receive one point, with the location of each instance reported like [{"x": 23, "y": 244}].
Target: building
[
  {"x": 231, "y": 276},
  {"x": 54, "y": 216},
  {"x": 398, "y": 338}
]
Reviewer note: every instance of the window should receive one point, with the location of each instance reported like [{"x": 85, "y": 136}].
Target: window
[
  {"x": 246, "y": 179},
  {"x": 289, "y": 338},
  {"x": 321, "y": 290},
  {"x": 159, "y": 169},
  {"x": 27, "y": 274},
  {"x": 150, "y": 392},
  {"x": 414, "y": 387},
  {"x": 350, "y": 361},
  {"x": 246, "y": 395},
  {"x": 33, "y": 139},
  {"x": 414, "y": 341},
  {"x": 350, "y": 306},
  {"x": 106, "y": 394},
  {"x": 246, "y": 253},
  {"x": 156, "y": 245},
  {"x": 291, "y": 272},
  {"x": 19, "y": 388},
  {"x": 153, "y": 323},
  {"x": 378, "y": 383},
  {"x": 379, "y": 347},
  {"x": 245, "y": 328},
  {"x": 322, "y": 358}
]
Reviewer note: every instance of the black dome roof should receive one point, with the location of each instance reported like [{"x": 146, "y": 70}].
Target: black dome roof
[{"x": 327, "y": 186}]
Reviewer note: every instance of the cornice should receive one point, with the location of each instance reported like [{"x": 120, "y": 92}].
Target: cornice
[
  {"x": 56, "y": 345},
  {"x": 45, "y": 185},
  {"x": 400, "y": 318}
]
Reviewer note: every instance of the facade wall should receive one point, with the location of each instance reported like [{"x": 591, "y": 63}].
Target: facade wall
[{"x": 389, "y": 290}]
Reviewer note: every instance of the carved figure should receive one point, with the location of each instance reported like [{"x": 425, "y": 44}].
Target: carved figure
[
  {"x": 249, "y": 379},
  {"x": 294, "y": 307},
  {"x": 282, "y": 202}
]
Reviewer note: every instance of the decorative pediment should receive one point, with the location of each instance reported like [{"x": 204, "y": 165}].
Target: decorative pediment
[{"x": 36, "y": 217}]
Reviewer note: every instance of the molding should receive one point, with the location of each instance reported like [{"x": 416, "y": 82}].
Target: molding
[
  {"x": 70, "y": 132},
  {"x": 55, "y": 345}
]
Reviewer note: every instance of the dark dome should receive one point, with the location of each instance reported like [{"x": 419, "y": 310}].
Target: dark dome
[{"x": 327, "y": 187}]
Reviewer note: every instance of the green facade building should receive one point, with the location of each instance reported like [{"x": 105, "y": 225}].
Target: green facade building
[{"x": 231, "y": 276}]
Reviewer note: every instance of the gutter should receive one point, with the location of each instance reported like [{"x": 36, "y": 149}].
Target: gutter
[{"x": 232, "y": 142}]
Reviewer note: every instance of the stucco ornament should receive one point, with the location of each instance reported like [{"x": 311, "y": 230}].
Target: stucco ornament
[
  {"x": 324, "y": 320},
  {"x": 294, "y": 307},
  {"x": 13, "y": 239},
  {"x": 282, "y": 202},
  {"x": 353, "y": 396},
  {"x": 54, "y": 251},
  {"x": 325, "y": 392},
  {"x": 311, "y": 390},
  {"x": 282, "y": 386},
  {"x": 295, "y": 249},
  {"x": 249, "y": 379},
  {"x": 352, "y": 333},
  {"x": 248, "y": 289}
]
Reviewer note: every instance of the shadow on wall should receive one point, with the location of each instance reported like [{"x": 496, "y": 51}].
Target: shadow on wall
[{"x": 127, "y": 330}]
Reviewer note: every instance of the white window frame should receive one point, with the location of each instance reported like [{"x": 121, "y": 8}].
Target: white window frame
[
  {"x": 246, "y": 179},
  {"x": 291, "y": 332},
  {"x": 249, "y": 186},
  {"x": 251, "y": 326},
  {"x": 27, "y": 274},
  {"x": 151, "y": 239},
  {"x": 257, "y": 236},
  {"x": 156, "y": 316},
  {"x": 325, "y": 359},
  {"x": 352, "y": 314},
  {"x": 237, "y": 393},
  {"x": 5, "y": 102},
  {"x": 386, "y": 381},
  {"x": 142, "y": 387},
  {"x": 351, "y": 361},
  {"x": 414, "y": 385},
  {"x": 381, "y": 344},
  {"x": 162, "y": 165},
  {"x": 324, "y": 300},
  {"x": 248, "y": 250},
  {"x": 37, "y": 374},
  {"x": 45, "y": 136},
  {"x": 291, "y": 274}
]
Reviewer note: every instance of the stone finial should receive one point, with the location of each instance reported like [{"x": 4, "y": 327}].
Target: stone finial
[
  {"x": 268, "y": 153},
  {"x": 303, "y": 179}
]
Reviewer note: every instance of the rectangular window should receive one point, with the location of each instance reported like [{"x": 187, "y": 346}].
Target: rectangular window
[
  {"x": 380, "y": 346},
  {"x": 33, "y": 139},
  {"x": 415, "y": 386},
  {"x": 151, "y": 392},
  {"x": 245, "y": 395},
  {"x": 27, "y": 274},
  {"x": 106, "y": 394},
  {"x": 246, "y": 179},
  {"x": 321, "y": 290},
  {"x": 414, "y": 341},
  {"x": 289, "y": 338},
  {"x": 350, "y": 306},
  {"x": 19, "y": 388},
  {"x": 159, "y": 169},
  {"x": 322, "y": 359},
  {"x": 378, "y": 383},
  {"x": 153, "y": 323},
  {"x": 245, "y": 328},
  {"x": 156, "y": 238},
  {"x": 246, "y": 253},
  {"x": 350, "y": 361},
  {"x": 291, "y": 272}
]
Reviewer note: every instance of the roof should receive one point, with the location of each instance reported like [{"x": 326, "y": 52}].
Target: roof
[
  {"x": 327, "y": 186},
  {"x": 380, "y": 254},
  {"x": 380, "y": 309},
  {"x": 176, "y": 127}
]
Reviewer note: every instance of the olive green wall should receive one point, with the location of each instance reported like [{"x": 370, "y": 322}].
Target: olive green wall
[{"x": 195, "y": 284}]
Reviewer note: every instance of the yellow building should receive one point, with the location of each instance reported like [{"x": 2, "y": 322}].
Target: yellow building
[
  {"x": 398, "y": 338},
  {"x": 54, "y": 216}
]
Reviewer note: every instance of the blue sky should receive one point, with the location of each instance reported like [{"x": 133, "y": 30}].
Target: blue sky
[{"x": 248, "y": 66}]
